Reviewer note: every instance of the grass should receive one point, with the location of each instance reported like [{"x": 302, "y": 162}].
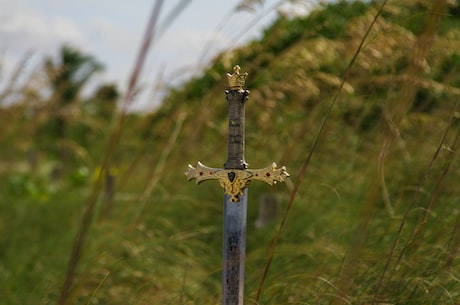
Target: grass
[
  {"x": 33, "y": 233},
  {"x": 347, "y": 236}
]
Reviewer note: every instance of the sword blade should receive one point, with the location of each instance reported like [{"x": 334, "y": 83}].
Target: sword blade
[{"x": 234, "y": 249}]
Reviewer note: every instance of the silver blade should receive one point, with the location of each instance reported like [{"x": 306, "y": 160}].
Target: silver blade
[{"x": 234, "y": 249}]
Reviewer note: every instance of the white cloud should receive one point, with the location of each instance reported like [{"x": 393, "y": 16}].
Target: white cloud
[
  {"x": 63, "y": 29},
  {"x": 23, "y": 29},
  {"x": 26, "y": 29},
  {"x": 112, "y": 36},
  {"x": 20, "y": 27}
]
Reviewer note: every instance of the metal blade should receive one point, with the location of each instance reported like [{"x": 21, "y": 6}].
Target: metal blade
[{"x": 234, "y": 249}]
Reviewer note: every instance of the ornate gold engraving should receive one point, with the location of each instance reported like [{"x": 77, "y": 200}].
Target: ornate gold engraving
[
  {"x": 270, "y": 174},
  {"x": 236, "y": 80},
  {"x": 234, "y": 188},
  {"x": 234, "y": 180}
]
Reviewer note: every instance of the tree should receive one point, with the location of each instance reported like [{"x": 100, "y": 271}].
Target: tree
[
  {"x": 105, "y": 100},
  {"x": 67, "y": 76}
]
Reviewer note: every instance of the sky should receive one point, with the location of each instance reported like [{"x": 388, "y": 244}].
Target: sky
[{"x": 112, "y": 31}]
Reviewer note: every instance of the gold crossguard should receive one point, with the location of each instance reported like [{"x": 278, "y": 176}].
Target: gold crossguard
[{"x": 235, "y": 180}]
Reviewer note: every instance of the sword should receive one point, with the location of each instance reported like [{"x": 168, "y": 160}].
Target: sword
[{"x": 234, "y": 178}]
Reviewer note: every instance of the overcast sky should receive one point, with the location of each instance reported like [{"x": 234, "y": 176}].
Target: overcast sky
[{"x": 111, "y": 31}]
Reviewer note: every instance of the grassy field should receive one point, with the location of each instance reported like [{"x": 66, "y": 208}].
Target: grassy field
[{"x": 370, "y": 214}]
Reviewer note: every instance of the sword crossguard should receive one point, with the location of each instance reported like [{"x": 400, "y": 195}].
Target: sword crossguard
[{"x": 234, "y": 181}]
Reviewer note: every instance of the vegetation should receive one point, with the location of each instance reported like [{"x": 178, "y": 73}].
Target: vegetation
[{"x": 375, "y": 219}]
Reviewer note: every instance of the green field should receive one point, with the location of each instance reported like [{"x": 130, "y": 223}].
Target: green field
[{"x": 372, "y": 150}]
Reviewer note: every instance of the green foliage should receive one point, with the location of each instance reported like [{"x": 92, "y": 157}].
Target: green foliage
[
  {"x": 375, "y": 221},
  {"x": 329, "y": 22},
  {"x": 198, "y": 87},
  {"x": 70, "y": 72}
]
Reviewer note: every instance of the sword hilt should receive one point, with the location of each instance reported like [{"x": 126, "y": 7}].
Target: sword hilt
[
  {"x": 236, "y": 121},
  {"x": 235, "y": 176}
]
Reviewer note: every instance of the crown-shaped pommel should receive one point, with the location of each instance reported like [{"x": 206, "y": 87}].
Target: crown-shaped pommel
[{"x": 236, "y": 80}]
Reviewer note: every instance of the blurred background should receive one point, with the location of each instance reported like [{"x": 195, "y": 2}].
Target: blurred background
[
  {"x": 103, "y": 105},
  {"x": 188, "y": 34}
]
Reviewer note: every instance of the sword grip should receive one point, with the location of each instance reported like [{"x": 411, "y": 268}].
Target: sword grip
[{"x": 236, "y": 117}]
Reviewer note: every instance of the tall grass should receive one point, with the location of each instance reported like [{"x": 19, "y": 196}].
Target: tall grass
[
  {"x": 112, "y": 143},
  {"x": 364, "y": 222},
  {"x": 304, "y": 167}
]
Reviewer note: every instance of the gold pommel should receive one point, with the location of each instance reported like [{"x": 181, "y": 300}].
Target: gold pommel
[{"x": 236, "y": 80}]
